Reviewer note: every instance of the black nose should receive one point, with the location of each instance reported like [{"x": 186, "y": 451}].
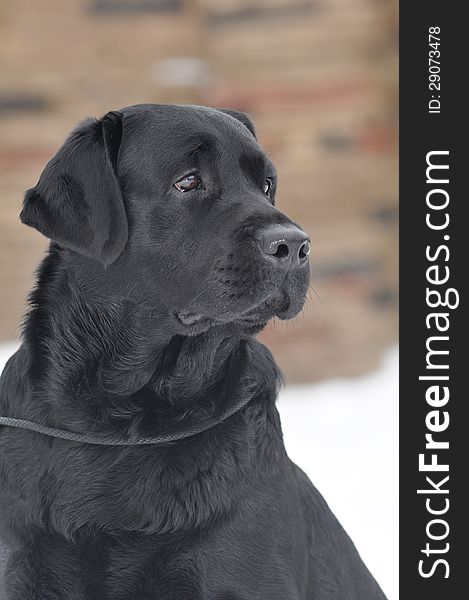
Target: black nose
[{"x": 286, "y": 244}]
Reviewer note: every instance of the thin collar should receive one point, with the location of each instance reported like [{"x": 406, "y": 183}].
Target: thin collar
[{"x": 100, "y": 439}]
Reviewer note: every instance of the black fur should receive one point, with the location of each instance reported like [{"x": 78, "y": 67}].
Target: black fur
[{"x": 144, "y": 314}]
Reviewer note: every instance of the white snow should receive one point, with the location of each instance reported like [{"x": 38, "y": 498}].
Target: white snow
[{"x": 344, "y": 435}]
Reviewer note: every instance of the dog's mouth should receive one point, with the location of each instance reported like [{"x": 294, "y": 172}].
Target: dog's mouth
[
  {"x": 255, "y": 317},
  {"x": 190, "y": 319}
]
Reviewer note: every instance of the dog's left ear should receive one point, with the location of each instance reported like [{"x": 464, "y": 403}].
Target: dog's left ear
[
  {"x": 242, "y": 117},
  {"x": 77, "y": 201}
]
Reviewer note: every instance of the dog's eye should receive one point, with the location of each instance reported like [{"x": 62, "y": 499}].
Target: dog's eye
[
  {"x": 268, "y": 186},
  {"x": 188, "y": 183}
]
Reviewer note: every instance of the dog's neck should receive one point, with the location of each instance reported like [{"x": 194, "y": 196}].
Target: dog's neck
[{"x": 102, "y": 359}]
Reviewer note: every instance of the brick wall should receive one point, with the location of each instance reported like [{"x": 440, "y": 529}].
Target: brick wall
[{"x": 319, "y": 79}]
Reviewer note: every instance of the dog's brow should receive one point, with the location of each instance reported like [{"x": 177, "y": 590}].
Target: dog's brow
[
  {"x": 202, "y": 145},
  {"x": 255, "y": 165}
]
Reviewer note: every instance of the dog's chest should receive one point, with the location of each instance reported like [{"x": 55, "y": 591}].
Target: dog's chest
[
  {"x": 252, "y": 556},
  {"x": 241, "y": 573},
  {"x": 234, "y": 563}
]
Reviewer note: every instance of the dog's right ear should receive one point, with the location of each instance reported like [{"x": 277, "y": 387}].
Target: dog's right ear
[
  {"x": 242, "y": 117},
  {"x": 77, "y": 201}
]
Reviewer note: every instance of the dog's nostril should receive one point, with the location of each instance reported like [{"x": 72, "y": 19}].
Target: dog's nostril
[
  {"x": 282, "y": 251},
  {"x": 286, "y": 244},
  {"x": 304, "y": 251}
]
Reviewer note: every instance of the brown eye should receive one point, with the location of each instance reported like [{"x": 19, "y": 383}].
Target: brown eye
[
  {"x": 268, "y": 186},
  {"x": 188, "y": 183}
]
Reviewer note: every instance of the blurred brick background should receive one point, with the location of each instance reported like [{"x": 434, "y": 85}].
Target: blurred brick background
[{"x": 317, "y": 76}]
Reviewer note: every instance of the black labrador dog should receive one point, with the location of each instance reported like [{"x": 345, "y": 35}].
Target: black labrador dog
[{"x": 167, "y": 256}]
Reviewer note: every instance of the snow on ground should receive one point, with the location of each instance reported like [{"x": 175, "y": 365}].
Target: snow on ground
[{"x": 344, "y": 435}]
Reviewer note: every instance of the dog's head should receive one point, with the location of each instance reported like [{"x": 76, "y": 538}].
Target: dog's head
[{"x": 174, "y": 207}]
